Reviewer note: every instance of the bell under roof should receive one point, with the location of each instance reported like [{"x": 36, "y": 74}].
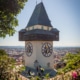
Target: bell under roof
[{"x": 39, "y": 16}]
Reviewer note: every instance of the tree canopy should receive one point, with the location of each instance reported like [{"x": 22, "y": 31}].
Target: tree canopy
[
  {"x": 6, "y": 65},
  {"x": 8, "y": 69},
  {"x": 72, "y": 62},
  {"x": 9, "y": 9}
]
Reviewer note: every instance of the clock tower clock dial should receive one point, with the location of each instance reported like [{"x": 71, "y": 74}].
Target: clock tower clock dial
[
  {"x": 47, "y": 49},
  {"x": 29, "y": 49}
]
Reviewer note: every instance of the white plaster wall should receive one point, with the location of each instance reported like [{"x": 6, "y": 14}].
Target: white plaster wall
[
  {"x": 29, "y": 61},
  {"x": 37, "y": 55}
]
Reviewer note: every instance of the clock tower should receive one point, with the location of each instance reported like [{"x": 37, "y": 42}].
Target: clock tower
[{"x": 39, "y": 35}]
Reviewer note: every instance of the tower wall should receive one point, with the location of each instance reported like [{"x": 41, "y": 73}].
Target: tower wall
[{"x": 46, "y": 62}]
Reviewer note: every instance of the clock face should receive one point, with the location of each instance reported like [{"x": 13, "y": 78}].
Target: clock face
[
  {"x": 47, "y": 49},
  {"x": 29, "y": 49}
]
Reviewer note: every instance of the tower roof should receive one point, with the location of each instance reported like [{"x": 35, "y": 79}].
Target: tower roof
[
  {"x": 32, "y": 33},
  {"x": 39, "y": 16}
]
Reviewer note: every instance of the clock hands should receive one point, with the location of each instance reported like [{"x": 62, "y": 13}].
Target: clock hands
[
  {"x": 47, "y": 49},
  {"x": 29, "y": 49}
]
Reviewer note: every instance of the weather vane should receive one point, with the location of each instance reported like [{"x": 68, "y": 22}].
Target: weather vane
[
  {"x": 36, "y": 2},
  {"x": 41, "y": 0}
]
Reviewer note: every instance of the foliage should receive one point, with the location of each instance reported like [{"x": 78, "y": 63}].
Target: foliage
[
  {"x": 7, "y": 66},
  {"x": 72, "y": 61},
  {"x": 2, "y": 52},
  {"x": 59, "y": 72},
  {"x": 9, "y": 9},
  {"x": 35, "y": 78},
  {"x": 66, "y": 76},
  {"x": 22, "y": 68},
  {"x": 47, "y": 76}
]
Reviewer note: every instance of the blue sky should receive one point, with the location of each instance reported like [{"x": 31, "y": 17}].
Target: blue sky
[{"x": 64, "y": 15}]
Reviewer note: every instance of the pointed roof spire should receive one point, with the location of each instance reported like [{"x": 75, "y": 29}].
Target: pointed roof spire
[{"x": 39, "y": 16}]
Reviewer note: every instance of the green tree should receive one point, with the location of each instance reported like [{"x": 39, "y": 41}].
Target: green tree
[
  {"x": 8, "y": 67},
  {"x": 72, "y": 61},
  {"x": 47, "y": 76},
  {"x": 9, "y": 9},
  {"x": 2, "y": 52}
]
